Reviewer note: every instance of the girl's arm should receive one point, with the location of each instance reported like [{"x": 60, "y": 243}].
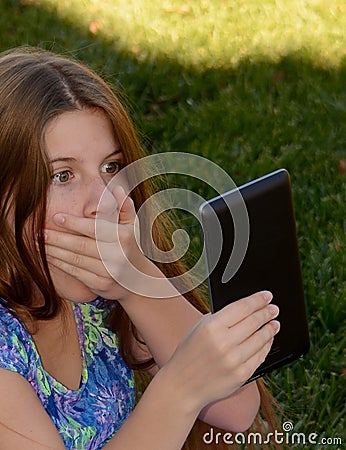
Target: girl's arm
[
  {"x": 24, "y": 424},
  {"x": 160, "y": 421},
  {"x": 211, "y": 363},
  {"x": 162, "y": 323},
  {"x": 180, "y": 390}
]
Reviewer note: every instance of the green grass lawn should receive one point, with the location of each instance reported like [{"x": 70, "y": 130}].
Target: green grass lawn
[{"x": 253, "y": 86}]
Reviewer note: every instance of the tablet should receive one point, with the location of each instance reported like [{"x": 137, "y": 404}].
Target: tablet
[{"x": 250, "y": 245}]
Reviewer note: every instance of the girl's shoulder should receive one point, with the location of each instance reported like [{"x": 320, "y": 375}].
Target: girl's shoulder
[
  {"x": 15, "y": 342},
  {"x": 9, "y": 323}
]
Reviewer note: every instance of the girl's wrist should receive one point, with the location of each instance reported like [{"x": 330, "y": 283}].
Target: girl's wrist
[
  {"x": 147, "y": 281},
  {"x": 177, "y": 391}
]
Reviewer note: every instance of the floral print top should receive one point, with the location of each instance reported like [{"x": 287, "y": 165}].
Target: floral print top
[{"x": 85, "y": 418}]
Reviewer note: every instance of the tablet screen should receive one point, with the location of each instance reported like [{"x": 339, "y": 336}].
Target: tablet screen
[{"x": 269, "y": 258}]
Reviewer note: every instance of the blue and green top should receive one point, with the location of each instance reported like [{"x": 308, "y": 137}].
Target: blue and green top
[{"x": 86, "y": 418}]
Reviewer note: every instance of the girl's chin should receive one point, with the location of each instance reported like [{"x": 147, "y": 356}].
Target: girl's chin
[
  {"x": 71, "y": 289},
  {"x": 75, "y": 291},
  {"x": 82, "y": 298},
  {"x": 78, "y": 296}
]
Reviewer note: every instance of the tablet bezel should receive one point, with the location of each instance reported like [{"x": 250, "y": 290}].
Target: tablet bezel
[{"x": 269, "y": 206}]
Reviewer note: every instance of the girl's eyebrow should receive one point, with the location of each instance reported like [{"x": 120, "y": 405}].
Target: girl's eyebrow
[
  {"x": 116, "y": 152},
  {"x": 62, "y": 160},
  {"x": 71, "y": 159}
]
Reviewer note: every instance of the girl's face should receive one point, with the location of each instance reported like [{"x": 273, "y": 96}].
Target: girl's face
[{"x": 84, "y": 155}]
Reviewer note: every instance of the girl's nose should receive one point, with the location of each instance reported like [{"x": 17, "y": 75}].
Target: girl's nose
[{"x": 99, "y": 200}]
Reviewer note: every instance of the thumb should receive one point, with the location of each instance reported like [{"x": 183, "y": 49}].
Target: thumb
[{"x": 127, "y": 212}]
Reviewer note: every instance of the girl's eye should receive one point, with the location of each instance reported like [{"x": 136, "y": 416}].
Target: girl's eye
[
  {"x": 61, "y": 177},
  {"x": 111, "y": 167}
]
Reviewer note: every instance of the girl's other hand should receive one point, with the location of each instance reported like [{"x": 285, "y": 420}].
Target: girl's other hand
[
  {"x": 223, "y": 350},
  {"x": 97, "y": 251}
]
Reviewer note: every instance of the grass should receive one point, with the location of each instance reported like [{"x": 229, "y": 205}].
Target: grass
[{"x": 253, "y": 86}]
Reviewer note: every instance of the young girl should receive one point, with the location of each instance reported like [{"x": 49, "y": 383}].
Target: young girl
[{"x": 70, "y": 334}]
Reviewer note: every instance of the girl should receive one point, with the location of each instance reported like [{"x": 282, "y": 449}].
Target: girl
[{"x": 70, "y": 334}]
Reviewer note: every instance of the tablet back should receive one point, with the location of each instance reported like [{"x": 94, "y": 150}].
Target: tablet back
[{"x": 271, "y": 259}]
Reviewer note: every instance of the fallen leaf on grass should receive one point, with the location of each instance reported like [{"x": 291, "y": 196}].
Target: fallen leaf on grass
[
  {"x": 342, "y": 166},
  {"x": 94, "y": 27},
  {"x": 182, "y": 9}
]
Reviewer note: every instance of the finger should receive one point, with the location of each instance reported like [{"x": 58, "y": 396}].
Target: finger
[
  {"x": 81, "y": 245},
  {"x": 257, "y": 344},
  {"x": 99, "y": 229},
  {"x": 240, "y": 309},
  {"x": 92, "y": 280},
  {"x": 247, "y": 368},
  {"x": 127, "y": 212},
  {"x": 245, "y": 328},
  {"x": 80, "y": 225},
  {"x": 259, "y": 352},
  {"x": 78, "y": 260}
]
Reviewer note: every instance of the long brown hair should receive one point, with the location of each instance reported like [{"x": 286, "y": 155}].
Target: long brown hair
[{"x": 35, "y": 87}]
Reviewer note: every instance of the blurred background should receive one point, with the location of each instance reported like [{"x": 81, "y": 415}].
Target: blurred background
[{"x": 252, "y": 86}]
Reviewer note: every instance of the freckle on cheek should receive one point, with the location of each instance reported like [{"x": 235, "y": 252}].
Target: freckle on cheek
[{"x": 61, "y": 202}]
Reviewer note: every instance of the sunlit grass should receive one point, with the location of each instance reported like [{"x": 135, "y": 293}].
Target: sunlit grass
[{"x": 213, "y": 33}]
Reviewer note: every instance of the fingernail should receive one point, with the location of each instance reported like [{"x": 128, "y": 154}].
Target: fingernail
[
  {"x": 273, "y": 309},
  {"x": 267, "y": 295},
  {"x": 275, "y": 325},
  {"x": 59, "y": 219}
]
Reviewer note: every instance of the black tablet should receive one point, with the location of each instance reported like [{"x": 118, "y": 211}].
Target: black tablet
[{"x": 250, "y": 245}]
